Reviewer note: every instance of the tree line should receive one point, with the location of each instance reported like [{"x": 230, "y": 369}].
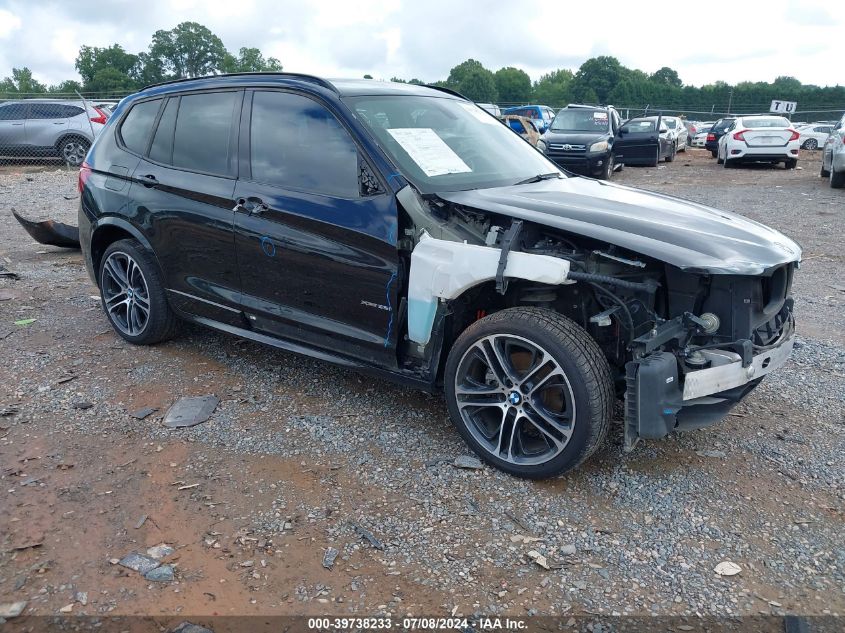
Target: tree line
[{"x": 192, "y": 50}]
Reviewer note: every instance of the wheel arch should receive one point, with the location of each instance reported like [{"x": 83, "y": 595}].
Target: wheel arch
[
  {"x": 109, "y": 230},
  {"x": 72, "y": 134}
]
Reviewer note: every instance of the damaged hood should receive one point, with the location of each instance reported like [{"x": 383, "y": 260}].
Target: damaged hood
[{"x": 685, "y": 234}]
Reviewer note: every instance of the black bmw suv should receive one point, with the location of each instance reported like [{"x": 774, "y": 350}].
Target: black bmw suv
[
  {"x": 403, "y": 231},
  {"x": 580, "y": 139}
]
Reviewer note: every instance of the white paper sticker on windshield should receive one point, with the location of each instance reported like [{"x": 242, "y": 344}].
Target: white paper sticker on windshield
[
  {"x": 478, "y": 113},
  {"x": 599, "y": 115},
  {"x": 429, "y": 151}
]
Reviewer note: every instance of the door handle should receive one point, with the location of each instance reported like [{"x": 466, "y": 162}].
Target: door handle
[
  {"x": 250, "y": 206},
  {"x": 148, "y": 180}
]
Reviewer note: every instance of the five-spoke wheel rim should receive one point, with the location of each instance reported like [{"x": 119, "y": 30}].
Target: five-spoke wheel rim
[
  {"x": 515, "y": 399},
  {"x": 125, "y": 293},
  {"x": 74, "y": 152}
]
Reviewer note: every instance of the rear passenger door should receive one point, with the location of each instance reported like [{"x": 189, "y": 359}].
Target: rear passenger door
[
  {"x": 45, "y": 124},
  {"x": 316, "y": 248},
  {"x": 182, "y": 197}
]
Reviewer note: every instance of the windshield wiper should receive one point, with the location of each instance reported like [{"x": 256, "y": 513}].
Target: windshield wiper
[{"x": 538, "y": 178}]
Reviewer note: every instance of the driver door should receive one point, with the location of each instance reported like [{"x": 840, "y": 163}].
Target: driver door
[{"x": 316, "y": 250}]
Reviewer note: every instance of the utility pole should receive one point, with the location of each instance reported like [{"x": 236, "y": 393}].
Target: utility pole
[{"x": 730, "y": 101}]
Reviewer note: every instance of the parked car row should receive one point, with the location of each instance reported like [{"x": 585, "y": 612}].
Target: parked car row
[{"x": 52, "y": 128}]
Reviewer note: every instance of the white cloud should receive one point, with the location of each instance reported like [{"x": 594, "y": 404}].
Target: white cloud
[{"x": 409, "y": 38}]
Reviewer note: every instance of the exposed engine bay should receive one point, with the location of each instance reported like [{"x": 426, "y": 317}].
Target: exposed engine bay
[{"x": 660, "y": 327}]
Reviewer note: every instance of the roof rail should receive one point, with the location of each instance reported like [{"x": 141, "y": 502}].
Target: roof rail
[
  {"x": 447, "y": 91},
  {"x": 312, "y": 78}
]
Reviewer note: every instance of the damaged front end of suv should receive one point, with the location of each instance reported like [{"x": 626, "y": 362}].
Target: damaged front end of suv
[{"x": 690, "y": 306}]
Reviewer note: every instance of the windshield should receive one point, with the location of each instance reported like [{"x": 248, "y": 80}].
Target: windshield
[
  {"x": 445, "y": 144},
  {"x": 580, "y": 121},
  {"x": 775, "y": 121}
]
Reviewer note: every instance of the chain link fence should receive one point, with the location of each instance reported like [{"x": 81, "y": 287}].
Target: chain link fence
[{"x": 50, "y": 131}]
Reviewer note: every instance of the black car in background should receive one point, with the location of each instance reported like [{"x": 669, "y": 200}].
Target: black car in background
[
  {"x": 581, "y": 138},
  {"x": 716, "y": 132},
  {"x": 644, "y": 141}
]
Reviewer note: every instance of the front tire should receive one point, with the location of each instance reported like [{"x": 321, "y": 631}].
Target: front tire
[
  {"x": 529, "y": 391},
  {"x": 671, "y": 155},
  {"x": 607, "y": 170},
  {"x": 133, "y": 296}
]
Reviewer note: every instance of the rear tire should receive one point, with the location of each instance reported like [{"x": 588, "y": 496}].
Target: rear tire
[
  {"x": 714, "y": 154},
  {"x": 824, "y": 173},
  {"x": 73, "y": 151},
  {"x": 543, "y": 387},
  {"x": 790, "y": 164},
  {"x": 837, "y": 178},
  {"x": 810, "y": 143},
  {"x": 133, "y": 296}
]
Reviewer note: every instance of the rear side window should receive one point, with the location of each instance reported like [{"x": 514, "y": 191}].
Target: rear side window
[
  {"x": 161, "y": 150},
  {"x": 297, "y": 143},
  {"x": 71, "y": 111},
  {"x": 47, "y": 111},
  {"x": 203, "y": 126},
  {"x": 136, "y": 127}
]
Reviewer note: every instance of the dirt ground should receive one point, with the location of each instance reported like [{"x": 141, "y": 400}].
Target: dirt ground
[{"x": 84, "y": 483}]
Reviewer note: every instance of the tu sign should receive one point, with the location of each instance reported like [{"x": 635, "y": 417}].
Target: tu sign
[{"x": 784, "y": 107}]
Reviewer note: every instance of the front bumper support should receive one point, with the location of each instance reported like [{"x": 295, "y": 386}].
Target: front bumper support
[{"x": 656, "y": 403}]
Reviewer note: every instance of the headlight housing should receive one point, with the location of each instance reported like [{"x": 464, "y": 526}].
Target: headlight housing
[
  {"x": 601, "y": 146},
  {"x": 541, "y": 145}
]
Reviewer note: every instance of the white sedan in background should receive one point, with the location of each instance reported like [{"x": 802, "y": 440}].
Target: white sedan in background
[
  {"x": 813, "y": 136},
  {"x": 759, "y": 139},
  {"x": 676, "y": 132},
  {"x": 700, "y": 138}
]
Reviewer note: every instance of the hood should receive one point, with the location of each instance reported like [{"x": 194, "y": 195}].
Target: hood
[
  {"x": 685, "y": 234},
  {"x": 574, "y": 138}
]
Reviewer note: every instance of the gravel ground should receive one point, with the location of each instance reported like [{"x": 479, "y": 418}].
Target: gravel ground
[{"x": 300, "y": 456}]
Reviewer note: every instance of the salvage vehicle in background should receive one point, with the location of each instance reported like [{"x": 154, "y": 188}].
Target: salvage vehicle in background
[
  {"x": 716, "y": 132},
  {"x": 813, "y": 136},
  {"x": 676, "y": 132},
  {"x": 50, "y": 128},
  {"x": 759, "y": 139},
  {"x": 833, "y": 156},
  {"x": 644, "y": 141},
  {"x": 402, "y": 231},
  {"x": 541, "y": 115},
  {"x": 492, "y": 108},
  {"x": 522, "y": 126},
  {"x": 581, "y": 139}
]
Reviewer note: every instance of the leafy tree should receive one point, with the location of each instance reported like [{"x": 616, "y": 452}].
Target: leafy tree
[
  {"x": 553, "y": 89},
  {"x": 596, "y": 78},
  {"x": 473, "y": 81},
  {"x": 108, "y": 80},
  {"x": 667, "y": 77},
  {"x": 93, "y": 60},
  {"x": 513, "y": 85},
  {"x": 249, "y": 60},
  {"x": 148, "y": 70},
  {"x": 188, "y": 50},
  {"x": 67, "y": 87},
  {"x": 22, "y": 82}
]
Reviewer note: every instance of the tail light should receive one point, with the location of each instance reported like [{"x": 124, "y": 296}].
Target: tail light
[
  {"x": 740, "y": 136},
  {"x": 101, "y": 119},
  {"x": 794, "y": 136},
  {"x": 711, "y": 137},
  {"x": 84, "y": 173}
]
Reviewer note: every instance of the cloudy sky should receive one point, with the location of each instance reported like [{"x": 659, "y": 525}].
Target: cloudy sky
[{"x": 425, "y": 38}]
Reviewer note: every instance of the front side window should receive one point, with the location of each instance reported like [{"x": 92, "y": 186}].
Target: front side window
[
  {"x": 297, "y": 143},
  {"x": 13, "y": 112},
  {"x": 136, "y": 127},
  {"x": 203, "y": 127},
  {"x": 445, "y": 144}
]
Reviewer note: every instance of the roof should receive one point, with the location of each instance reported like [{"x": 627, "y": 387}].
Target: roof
[{"x": 341, "y": 87}]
